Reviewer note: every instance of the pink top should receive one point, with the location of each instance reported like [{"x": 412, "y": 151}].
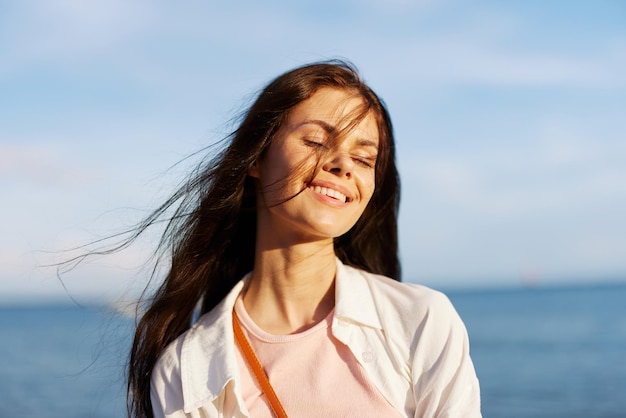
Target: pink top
[{"x": 312, "y": 373}]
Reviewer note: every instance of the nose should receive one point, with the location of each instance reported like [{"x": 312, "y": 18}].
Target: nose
[{"x": 339, "y": 163}]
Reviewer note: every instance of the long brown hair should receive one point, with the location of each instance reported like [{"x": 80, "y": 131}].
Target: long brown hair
[{"x": 211, "y": 220}]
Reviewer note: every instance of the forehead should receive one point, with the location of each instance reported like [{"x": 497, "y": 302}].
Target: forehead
[{"x": 335, "y": 109}]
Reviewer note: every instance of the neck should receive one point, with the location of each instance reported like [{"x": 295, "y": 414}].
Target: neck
[{"x": 291, "y": 288}]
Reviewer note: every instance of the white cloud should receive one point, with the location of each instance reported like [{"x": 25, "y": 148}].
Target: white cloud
[
  {"x": 68, "y": 31},
  {"x": 40, "y": 164},
  {"x": 398, "y": 7},
  {"x": 477, "y": 52},
  {"x": 554, "y": 206},
  {"x": 33, "y": 273},
  {"x": 602, "y": 251},
  {"x": 458, "y": 59},
  {"x": 538, "y": 178}
]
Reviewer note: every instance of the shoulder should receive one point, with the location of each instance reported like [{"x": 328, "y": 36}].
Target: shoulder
[
  {"x": 411, "y": 314},
  {"x": 406, "y": 299},
  {"x": 167, "y": 369},
  {"x": 170, "y": 360},
  {"x": 426, "y": 339},
  {"x": 205, "y": 337},
  {"x": 166, "y": 388},
  {"x": 183, "y": 377},
  {"x": 196, "y": 366}
]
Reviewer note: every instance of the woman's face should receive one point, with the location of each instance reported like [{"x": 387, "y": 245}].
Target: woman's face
[{"x": 312, "y": 183}]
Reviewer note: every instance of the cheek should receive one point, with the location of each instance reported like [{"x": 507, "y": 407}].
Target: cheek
[
  {"x": 286, "y": 170},
  {"x": 368, "y": 185},
  {"x": 300, "y": 165}
]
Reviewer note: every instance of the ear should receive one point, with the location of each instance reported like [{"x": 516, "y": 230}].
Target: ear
[{"x": 253, "y": 170}]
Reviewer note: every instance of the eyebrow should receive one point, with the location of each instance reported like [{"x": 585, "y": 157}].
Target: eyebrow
[{"x": 332, "y": 130}]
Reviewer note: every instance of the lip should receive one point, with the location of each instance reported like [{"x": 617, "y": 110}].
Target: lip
[{"x": 330, "y": 185}]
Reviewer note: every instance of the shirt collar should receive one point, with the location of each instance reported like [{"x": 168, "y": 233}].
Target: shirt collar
[{"x": 354, "y": 301}]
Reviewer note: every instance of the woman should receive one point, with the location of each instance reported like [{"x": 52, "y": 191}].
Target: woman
[{"x": 287, "y": 243}]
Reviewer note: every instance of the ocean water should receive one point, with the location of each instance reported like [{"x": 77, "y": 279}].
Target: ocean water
[
  {"x": 558, "y": 353},
  {"x": 62, "y": 361}
]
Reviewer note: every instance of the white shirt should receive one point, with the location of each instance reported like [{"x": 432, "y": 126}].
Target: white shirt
[{"x": 408, "y": 338}]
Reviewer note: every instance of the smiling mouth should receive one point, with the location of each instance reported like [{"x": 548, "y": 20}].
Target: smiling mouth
[{"x": 330, "y": 193}]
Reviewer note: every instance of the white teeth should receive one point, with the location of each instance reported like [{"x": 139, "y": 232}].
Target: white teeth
[{"x": 330, "y": 192}]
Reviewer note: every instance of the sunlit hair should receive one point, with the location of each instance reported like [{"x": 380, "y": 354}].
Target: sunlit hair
[{"x": 211, "y": 220}]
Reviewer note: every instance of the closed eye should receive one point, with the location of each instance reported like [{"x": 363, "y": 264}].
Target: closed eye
[
  {"x": 364, "y": 161},
  {"x": 314, "y": 142}
]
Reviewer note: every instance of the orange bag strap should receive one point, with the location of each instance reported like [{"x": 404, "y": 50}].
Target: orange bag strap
[{"x": 257, "y": 369}]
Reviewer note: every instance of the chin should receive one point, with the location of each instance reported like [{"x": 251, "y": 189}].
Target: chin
[{"x": 331, "y": 231}]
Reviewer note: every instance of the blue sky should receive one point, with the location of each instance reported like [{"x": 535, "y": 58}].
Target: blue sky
[{"x": 509, "y": 120}]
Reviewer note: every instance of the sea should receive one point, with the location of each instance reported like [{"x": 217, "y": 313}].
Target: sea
[{"x": 557, "y": 352}]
